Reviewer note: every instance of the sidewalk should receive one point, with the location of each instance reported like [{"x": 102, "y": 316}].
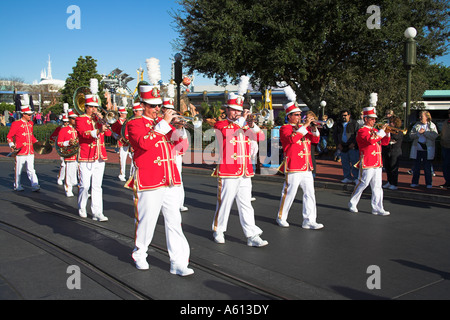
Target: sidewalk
[{"x": 329, "y": 175}]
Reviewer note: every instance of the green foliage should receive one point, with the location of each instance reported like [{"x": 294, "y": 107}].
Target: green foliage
[
  {"x": 6, "y": 106},
  {"x": 322, "y": 48},
  {"x": 84, "y": 70},
  {"x": 41, "y": 133}
]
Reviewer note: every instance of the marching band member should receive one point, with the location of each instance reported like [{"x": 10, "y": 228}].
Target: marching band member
[
  {"x": 296, "y": 139},
  {"x": 181, "y": 144},
  {"x": 235, "y": 170},
  {"x": 91, "y": 156},
  {"x": 122, "y": 145},
  {"x": 20, "y": 137},
  {"x": 68, "y": 137},
  {"x": 370, "y": 164},
  {"x": 62, "y": 169},
  {"x": 137, "y": 112},
  {"x": 156, "y": 183}
]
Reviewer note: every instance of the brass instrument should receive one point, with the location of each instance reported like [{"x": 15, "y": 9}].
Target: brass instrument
[
  {"x": 321, "y": 123},
  {"x": 69, "y": 151},
  {"x": 42, "y": 147},
  {"x": 390, "y": 129},
  {"x": 14, "y": 153},
  {"x": 79, "y": 99},
  {"x": 190, "y": 122},
  {"x": 122, "y": 131},
  {"x": 265, "y": 113}
]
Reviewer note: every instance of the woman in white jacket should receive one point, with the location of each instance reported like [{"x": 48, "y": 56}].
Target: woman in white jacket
[{"x": 423, "y": 134}]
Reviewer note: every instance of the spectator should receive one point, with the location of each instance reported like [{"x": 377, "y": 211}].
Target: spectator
[
  {"x": 423, "y": 134},
  {"x": 445, "y": 143},
  {"x": 391, "y": 154},
  {"x": 38, "y": 118},
  {"x": 345, "y": 139},
  {"x": 324, "y": 133}
]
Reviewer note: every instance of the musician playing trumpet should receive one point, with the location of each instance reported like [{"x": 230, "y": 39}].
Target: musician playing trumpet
[
  {"x": 370, "y": 163},
  {"x": 235, "y": 170},
  {"x": 296, "y": 138},
  {"x": 156, "y": 183},
  {"x": 67, "y": 137},
  {"x": 91, "y": 157}
]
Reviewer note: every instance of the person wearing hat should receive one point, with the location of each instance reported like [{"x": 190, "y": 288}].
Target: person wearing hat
[
  {"x": 91, "y": 157},
  {"x": 68, "y": 137},
  {"x": 296, "y": 138},
  {"x": 156, "y": 183},
  {"x": 235, "y": 170},
  {"x": 370, "y": 163},
  {"x": 121, "y": 144},
  {"x": 20, "y": 137}
]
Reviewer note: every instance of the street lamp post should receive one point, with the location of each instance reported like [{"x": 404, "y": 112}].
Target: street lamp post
[
  {"x": 410, "y": 61},
  {"x": 178, "y": 78},
  {"x": 323, "y": 104}
]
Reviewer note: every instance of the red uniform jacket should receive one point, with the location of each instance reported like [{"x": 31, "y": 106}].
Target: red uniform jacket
[
  {"x": 67, "y": 133},
  {"x": 369, "y": 144},
  {"x": 55, "y": 134},
  {"x": 297, "y": 149},
  {"x": 234, "y": 149},
  {"x": 91, "y": 149},
  {"x": 21, "y": 134},
  {"x": 117, "y": 128},
  {"x": 153, "y": 156}
]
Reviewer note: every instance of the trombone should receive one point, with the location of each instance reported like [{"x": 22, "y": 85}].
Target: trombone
[{"x": 390, "y": 129}]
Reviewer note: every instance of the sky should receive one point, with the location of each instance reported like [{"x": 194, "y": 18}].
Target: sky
[{"x": 118, "y": 34}]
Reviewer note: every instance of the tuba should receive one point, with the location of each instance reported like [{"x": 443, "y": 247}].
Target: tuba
[{"x": 79, "y": 100}]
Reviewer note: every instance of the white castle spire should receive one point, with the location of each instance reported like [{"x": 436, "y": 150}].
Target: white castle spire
[{"x": 49, "y": 69}]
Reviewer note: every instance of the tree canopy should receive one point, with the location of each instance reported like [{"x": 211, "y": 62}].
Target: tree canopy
[
  {"x": 84, "y": 70},
  {"x": 318, "y": 47}
]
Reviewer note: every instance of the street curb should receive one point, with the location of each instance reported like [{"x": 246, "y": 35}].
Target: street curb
[{"x": 418, "y": 196}]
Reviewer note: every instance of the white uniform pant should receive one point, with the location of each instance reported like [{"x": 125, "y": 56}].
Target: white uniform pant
[
  {"x": 293, "y": 180},
  {"x": 148, "y": 205},
  {"x": 179, "y": 162},
  {"x": 374, "y": 178},
  {"x": 123, "y": 154},
  {"x": 91, "y": 175},
  {"x": 62, "y": 171},
  {"x": 28, "y": 162},
  {"x": 71, "y": 176},
  {"x": 240, "y": 189}
]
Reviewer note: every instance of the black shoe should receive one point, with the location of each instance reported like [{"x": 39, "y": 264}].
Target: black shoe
[{"x": 444, "y": 186}]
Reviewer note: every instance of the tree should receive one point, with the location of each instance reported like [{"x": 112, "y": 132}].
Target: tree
[
  {"x": 309, "y": 44},
  {"x": 84, "y": 70}
]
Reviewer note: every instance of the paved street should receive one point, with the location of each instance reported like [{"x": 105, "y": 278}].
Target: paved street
[{"x": 409, "y": 248}]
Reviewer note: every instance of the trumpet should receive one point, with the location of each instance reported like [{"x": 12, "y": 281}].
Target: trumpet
[
  {"x": 329, "y": 123},
  {"x": 194, "y": 122}
]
